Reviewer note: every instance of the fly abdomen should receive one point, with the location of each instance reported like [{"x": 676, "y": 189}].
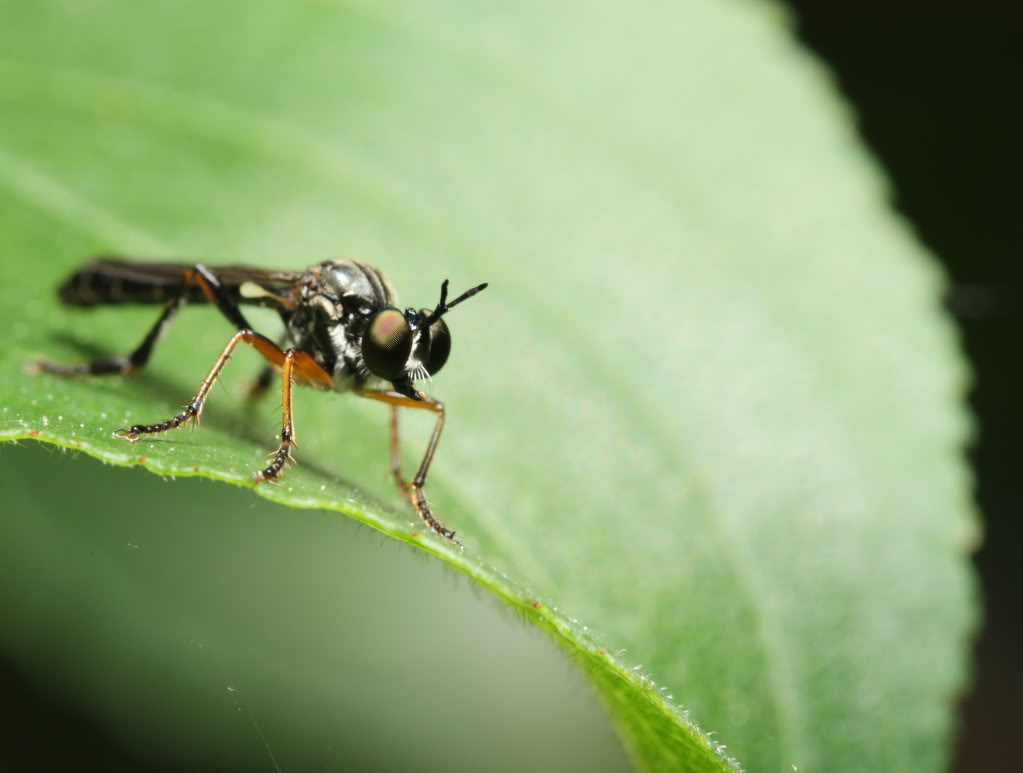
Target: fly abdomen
[{"x": 108, "y": 281}]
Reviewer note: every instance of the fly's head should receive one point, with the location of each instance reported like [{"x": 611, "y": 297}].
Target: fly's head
[{"x": 407, "y": 346}]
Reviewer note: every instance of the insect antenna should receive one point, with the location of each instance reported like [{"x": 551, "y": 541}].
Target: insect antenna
[{"x": 444, "y": 307}]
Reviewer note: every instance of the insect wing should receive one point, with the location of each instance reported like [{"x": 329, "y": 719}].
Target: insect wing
[{"x": 106, "y": 281}]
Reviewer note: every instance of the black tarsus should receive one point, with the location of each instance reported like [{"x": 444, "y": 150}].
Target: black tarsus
[{"x": 137, "y": 360}]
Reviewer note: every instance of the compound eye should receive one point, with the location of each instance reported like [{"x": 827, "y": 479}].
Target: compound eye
[
  {"x": 440, "y": 346},
  {"x": 387, "y": 344}
]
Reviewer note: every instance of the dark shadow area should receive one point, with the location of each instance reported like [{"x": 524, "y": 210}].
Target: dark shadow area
[
  {"x": 936, "y": 87},
  {"x": 37, "y": 735}
]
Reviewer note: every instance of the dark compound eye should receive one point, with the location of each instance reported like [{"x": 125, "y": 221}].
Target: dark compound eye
[
  {"x": 440, "y": 346},
  {"x": 387, "y": 344}
]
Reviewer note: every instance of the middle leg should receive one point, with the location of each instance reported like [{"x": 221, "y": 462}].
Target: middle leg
[{"x": 310, "y": 371}]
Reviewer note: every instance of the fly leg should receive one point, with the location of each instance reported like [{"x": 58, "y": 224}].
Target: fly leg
[
  {"x": 118, "y": 363},
  {"x": 308, "y": 371},
  {"x": 200, "y": 276},
  {"x": 414, "y": 489},
  {"x": 261, "y": 343}
]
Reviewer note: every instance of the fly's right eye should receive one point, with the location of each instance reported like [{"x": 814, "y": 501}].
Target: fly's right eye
[
  {"x": 387, "y": 344},
  {"x": 440, "y": 347}
]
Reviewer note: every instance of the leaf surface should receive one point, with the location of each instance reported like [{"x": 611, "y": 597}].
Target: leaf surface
[{"x": 708, "y": 407}]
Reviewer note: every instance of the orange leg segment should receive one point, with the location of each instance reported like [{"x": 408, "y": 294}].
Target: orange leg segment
[
  {"x": 414, "y": 489},
  {"x": 308, "y": 371}
]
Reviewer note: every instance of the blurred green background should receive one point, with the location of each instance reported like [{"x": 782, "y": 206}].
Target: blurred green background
[{"x": 409, "y": 671}]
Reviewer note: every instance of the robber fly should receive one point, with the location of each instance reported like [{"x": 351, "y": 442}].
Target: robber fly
[{"x": 341, "y": 319}]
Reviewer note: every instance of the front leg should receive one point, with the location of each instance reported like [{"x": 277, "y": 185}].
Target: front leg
[{"x": 414, "y": 489}]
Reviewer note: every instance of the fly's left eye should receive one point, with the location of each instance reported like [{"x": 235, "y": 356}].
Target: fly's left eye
[
  {"x": 440, "y": 346},
  {"x": 387, "y": 344}
]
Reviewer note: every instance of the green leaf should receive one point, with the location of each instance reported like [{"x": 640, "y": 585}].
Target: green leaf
[{"x": 706, "y": 425}]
